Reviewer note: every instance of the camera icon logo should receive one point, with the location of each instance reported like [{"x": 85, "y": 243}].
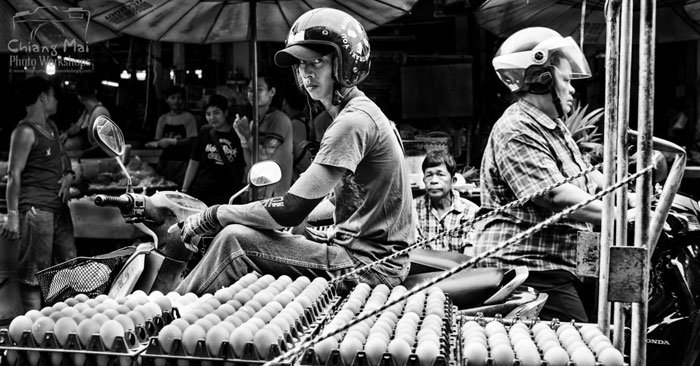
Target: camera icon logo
[{"x": 51, "y": 22}]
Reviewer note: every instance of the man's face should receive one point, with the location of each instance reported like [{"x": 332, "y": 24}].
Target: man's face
[
  {"x": 50, "y": 102},
  {"x": 438, "y": 181},
  {"x": 175, "y": 101},
  {"x": 265, "y": 93},
  {"x": 562, "y": 84},
  {"x": 317, "y": 76},
  {"x": 216, "y": 117}
]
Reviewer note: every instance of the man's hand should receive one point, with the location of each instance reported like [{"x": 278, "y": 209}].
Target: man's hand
[
  {"x": 152, "y": 144},
  {"x": 10, "y": 229},
  {"x": 242, "y": 126},
  {"x": 193, "y": 227},
  {"x": 64, "y": 191}
]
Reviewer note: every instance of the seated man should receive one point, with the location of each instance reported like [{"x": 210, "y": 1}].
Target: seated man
[
  {"x": 442, "y": 209},
  {"x": 360, "y": 160}
]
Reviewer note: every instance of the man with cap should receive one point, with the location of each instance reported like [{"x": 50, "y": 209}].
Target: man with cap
[{"x": 360, "y": 161}]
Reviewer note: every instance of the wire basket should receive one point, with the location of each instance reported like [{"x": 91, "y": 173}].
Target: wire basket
[{"x": 87, "y": 275}]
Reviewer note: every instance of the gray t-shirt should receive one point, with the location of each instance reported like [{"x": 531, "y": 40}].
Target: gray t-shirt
[{"x": 373, "y": 201}]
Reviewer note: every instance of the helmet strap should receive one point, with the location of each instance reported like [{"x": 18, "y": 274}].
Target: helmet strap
[
  {"x": 557, "y": 102},
  {"x": 337, "y": 95}
]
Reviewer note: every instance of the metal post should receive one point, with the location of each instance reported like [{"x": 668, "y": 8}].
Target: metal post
[
  {"x": 626, "y": 31},
  {"x": 647, "y": 43},
  {"x": 254, "y": 77},
  {"x": 612, "y": 19}
]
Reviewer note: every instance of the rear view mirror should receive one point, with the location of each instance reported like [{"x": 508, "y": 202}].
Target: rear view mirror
[
  {"x": 265, "y": 173},
  {"x": 108, "y": 136}
]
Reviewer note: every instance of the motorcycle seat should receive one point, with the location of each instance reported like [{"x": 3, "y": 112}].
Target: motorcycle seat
[{"x": 468, "y": 288}]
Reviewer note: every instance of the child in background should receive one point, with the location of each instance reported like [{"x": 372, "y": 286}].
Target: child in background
[{"x": 175, "y": 133}]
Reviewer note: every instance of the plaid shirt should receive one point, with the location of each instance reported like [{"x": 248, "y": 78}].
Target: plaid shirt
[
  {"x": 526, "y": 152},
  {"x": 429, "y": 224}
]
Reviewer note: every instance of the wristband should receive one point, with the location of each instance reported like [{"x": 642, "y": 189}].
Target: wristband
[
  {"x": 12, "y": 212},
  {"x": 71, "y": 172}
]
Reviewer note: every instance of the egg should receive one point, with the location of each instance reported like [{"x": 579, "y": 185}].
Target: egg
[
  {"x": 63, "y": 327},
  {"x": 538, "y": 327},
  {"x": 323, "y": 348},
  {"x": 81, "y": 297},
  {"x": 86, "y": 329},
  {"x": 502, "y": 354},
  {"x": 239, "y": 338},
  {"x": 498, "y": 338},
  {"x": 18, "y": 326},
  {"x": 494, "y": 327},
  {"x": 191, "y": 336},
  {"x": 427, "y": 353},
  {"x": 40, "y": 327},
  {"x": 167, "y": 335},
  {"x": 399, "y": 350},
  {"x": 556, "y": 356},
  {"x": 611, "y": 357},
  {"x": 34, "y": 314},
  {"x": 476, "y": 354},
  {"x": 206, "y": 324},
  {"x": 214, "y": 338},
  {"x": 374, "y": 350},
  {"x": 109, "y": 331},
  {"x": 471, "y": 324},
  {"x": 583, "y": 356},
  {"x": 529, "y": 356}
]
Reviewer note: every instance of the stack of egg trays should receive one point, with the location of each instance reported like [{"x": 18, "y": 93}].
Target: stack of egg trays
[
  {"x": 481, "y": 319},
  {"x": 48, "y": 352},
  {"x": 449, "y": 354},
  {"x": 306, "y": 325}
]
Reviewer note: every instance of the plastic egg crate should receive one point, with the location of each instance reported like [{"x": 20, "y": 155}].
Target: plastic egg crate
[
  {"x": 252, "y": 321},
  {"x": 497, "y": 341},
  {"x": 84, "y": 331},
  {"x": 418, "y": 331}
]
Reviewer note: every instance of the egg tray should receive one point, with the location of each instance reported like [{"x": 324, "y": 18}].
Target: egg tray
[
  {"x": 306, "y": 325},
  {"x": 449, "y": 346},
  {"x": 554, "y": 324},
  {"x": 94, "y": 352}
]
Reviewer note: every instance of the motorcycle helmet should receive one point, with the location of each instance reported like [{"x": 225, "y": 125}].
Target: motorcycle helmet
[
  {"x": 321, "y": 31},
  {"x": 523, "y": 61}
]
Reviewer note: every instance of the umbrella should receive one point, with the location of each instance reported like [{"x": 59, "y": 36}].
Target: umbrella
[
  {"x": 38, "y": 26},
  {"x": 505, "y": 17},
  {"x": 218, "y": 21}
]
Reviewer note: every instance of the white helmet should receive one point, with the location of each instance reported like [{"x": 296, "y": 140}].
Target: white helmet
[{"x": 523, "y": 61}]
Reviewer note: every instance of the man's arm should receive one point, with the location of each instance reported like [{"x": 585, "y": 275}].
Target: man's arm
[
  {"x": 289, "y": 210},
  {"x": 20, "y": 145},
  {"x": 568, "y": 195},
  {"x": 273, "y": 213}
]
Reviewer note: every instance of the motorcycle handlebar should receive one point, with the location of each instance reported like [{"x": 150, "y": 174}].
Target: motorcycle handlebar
[{"x": 122, "y": 202}]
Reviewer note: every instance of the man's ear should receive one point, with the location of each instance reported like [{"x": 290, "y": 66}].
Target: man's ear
[{"x": 273, "y": 90}]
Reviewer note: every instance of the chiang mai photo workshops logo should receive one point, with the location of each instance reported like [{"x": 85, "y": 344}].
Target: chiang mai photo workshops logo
[{"x": 50, "y": 39}]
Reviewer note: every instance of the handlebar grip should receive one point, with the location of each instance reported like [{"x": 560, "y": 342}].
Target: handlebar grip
[{"x": 121, "y": 201}]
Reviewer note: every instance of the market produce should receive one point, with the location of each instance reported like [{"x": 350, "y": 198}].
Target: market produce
[{"x": 503, "y": 343}]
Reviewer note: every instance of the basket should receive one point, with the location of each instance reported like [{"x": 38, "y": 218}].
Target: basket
[{"x": 87, "y": 275}]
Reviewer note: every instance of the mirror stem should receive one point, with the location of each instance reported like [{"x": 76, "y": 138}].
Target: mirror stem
[{"x": 129, "y": 187}]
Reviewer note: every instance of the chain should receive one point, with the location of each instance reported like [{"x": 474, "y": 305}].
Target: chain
[
  {"x": 524, "y": 235},
  {"x": 466, "y": 224}
]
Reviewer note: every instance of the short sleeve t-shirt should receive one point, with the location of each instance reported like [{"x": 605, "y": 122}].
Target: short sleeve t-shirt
[
  {"x": 277, "y": 123},
  {"x": 373, "y": 215},
  {"x": 213, "y": 175},
  {"x": 178, "y": 126}
]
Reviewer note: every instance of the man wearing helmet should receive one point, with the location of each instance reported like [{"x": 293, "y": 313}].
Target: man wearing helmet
[
  {"x": 360, "y": 160},
  {"x": 529, "y": 149}
]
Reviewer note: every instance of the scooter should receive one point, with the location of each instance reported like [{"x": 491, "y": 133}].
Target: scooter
[{"x": 155, "y": 265}]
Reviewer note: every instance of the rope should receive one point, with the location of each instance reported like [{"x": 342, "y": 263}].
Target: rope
[
  {"x": 467, "y": 224},
  {"x": 524, "y": 235}
]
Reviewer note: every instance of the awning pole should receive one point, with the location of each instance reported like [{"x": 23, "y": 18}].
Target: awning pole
[
  {"x": 626, "y": 31},
  {"x": 647, "y": 43},
  {"x": 612, "y": 19}
]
